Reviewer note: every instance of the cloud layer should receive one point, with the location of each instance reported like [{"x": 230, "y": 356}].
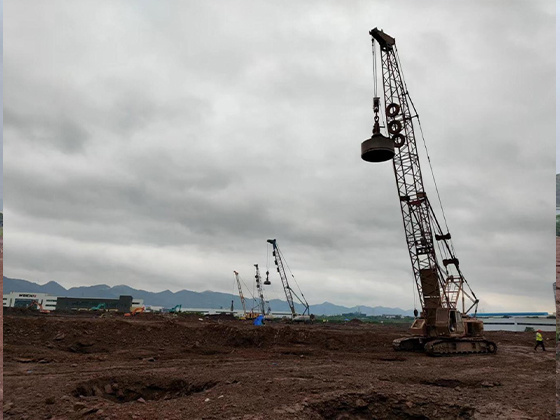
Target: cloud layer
[{"x": 159, "y": 144}]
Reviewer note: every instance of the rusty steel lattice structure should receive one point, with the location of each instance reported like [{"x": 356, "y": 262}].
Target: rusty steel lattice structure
[{"x": 437, "y": 285}]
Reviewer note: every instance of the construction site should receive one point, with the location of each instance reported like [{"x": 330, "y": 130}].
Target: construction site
[
  {"x": 129, "y": 363},
  {"x": 182, "y": 367}
]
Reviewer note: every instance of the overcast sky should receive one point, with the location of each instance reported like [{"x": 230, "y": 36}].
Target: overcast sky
[
  {"x": 159, "y": 144},
  {"x": 557, "y": 90}
]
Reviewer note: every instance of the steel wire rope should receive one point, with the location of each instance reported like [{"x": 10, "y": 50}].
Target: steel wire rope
[
  {"x": 382, "y": 115},
  {"x": 247, "y": 287},
  {"x": 374, "y": 69},
  {"x": 297, "y": 284},
  {"x": 423, "y": 139},
  {"x": 234, "y": 286},
  {"x": 414, "y": 293},
  {"x": 276, "y": 295},
  {"x": 415, "y": 288},
  {"x": 452, "y": 248},
  {"x": 440, "y": 248}
]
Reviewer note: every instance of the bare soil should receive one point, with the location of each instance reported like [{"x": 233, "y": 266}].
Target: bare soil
[
  {"x": 2, "y": 322},
  {"x": 181, "y": 367},
  {"x": 557, "y": 312}
]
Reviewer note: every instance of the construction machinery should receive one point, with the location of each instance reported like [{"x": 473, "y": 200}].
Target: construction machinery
[
  {"x": 136, "y": 311},
  {"x": 37, "y": 305},
  {"x": 263, "y": 304},
  {"x": 281, "y": 265},
  {"x": 175, "y": 309},
  {"x": 246, "y": 314},
  {"x": 442, "y": 328},
  {"x": 100, "y": 307}
]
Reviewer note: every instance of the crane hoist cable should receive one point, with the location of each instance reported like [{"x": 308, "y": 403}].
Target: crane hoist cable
[
  {"x": 280, "y": 262},
  {"x": 297, "y": 284},
  {"x": 417, "y": 116}
]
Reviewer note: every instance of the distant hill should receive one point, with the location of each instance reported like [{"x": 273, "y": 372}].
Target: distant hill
[{"x": 187, "y": 298}]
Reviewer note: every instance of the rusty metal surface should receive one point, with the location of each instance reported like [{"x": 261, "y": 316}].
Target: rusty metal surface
[{"x": 378, "y": 148}]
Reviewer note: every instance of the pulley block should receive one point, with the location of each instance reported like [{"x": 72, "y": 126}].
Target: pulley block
[
  {"x": 393, "y": 109},
  {"x": 398, "y": 139},
  {"x": 394, "y": 127}
]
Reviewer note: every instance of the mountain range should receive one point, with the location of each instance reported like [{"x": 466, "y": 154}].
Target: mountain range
[{"x": 187, "y": 298}]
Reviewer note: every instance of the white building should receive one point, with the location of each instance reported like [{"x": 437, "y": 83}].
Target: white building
[
  {"x": 137, "y": 303},
  {"x": 24, "y": 299}
]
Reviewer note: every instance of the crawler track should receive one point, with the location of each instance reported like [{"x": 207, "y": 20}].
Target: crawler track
[
  {"x": 445, "y": 347},
  {"x": 458, "y": 347}
]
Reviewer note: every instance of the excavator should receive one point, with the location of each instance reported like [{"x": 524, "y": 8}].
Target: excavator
[
  {"x": 246, "y": 314},
  {"x": 36, "y": 305},
  {"x": 443, "y": 327},
  {"x": 175, "y": 309},
  {"x": 135, "y": 311}
]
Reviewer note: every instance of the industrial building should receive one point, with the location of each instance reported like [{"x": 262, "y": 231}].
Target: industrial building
[
  {"x": 122, "y": 304},
  {"x": 24, "y": 300},
  {"x": 52, "y": 303},
  {"x": 518, "y": 321}
]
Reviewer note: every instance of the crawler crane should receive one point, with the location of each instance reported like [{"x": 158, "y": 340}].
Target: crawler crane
[
  {"x": 246, "y": 315},
  {"x": 290, "y": 293},
  {"x": 442, "y": 327},
  {"x": 263, "y": 304}
]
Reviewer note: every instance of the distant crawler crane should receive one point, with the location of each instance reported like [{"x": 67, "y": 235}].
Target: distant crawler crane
[
  {"x": 290, "y": 293},
  {"x": 263, "y": 306},
  {"x": 441, "y": 328},
  {"x": 246, "y": 315}
]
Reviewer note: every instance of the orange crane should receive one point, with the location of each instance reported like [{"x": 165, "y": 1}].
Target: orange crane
[{"x": 246, "y": 315}]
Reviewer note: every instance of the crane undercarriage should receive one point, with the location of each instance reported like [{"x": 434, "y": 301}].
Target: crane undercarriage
[
  {"x": 446, "y": 346},
  {"x": 462, "y": 335}
]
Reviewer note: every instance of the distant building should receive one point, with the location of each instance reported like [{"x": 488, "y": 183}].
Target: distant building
[
  {"x": 122, "y": 304},
  {"x": 517, "y": 321},
  {"x": 24, "y": 300},
  {"x": 137, "y": 303},
  {"x": 52, "y": 303}
]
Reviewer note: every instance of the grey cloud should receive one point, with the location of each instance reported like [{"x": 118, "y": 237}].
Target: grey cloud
[{"x": 195, "y": 132}]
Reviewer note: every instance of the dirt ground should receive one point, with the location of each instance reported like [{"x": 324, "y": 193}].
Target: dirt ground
[
  {"x": 557, "y": 312},
  {"x": 2, "y": 320},
  {"x": 168, "y": 367}
]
